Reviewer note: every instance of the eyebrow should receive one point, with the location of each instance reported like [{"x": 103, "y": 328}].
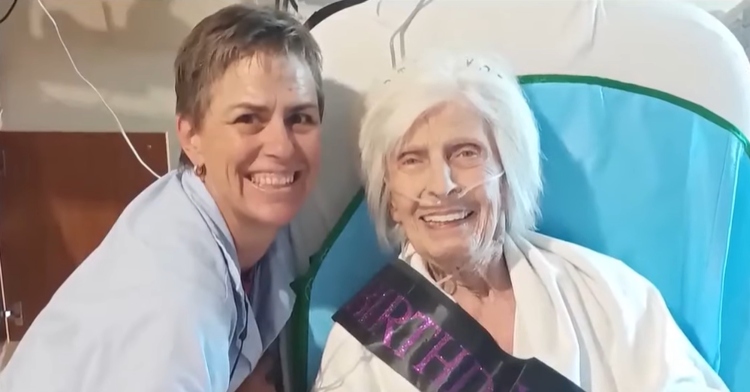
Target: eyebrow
[
  {"x": 303, "y": 106},
  {"x": 265, "y": 109},
  {"x": 410, "y": 150},
  {"x": 455, "y": 143}
]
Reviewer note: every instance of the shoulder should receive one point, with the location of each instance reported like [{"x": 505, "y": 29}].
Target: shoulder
[
  {"x": 159, "y": 260},
  {"x": 160, "y": 239},
  {"x": 597, "y": 271},
  {"x": 163, "y": 215},
  {"x": 347, "y": 365},
  {"x": 609, "y": 290},
  {"x": 630, "y": 314}
]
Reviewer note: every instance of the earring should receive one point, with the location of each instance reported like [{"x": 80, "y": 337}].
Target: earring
[{"x": 200, "y": 171}]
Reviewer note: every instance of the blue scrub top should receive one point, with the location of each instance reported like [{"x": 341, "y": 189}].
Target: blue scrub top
[{"x": 159, "y": 305}]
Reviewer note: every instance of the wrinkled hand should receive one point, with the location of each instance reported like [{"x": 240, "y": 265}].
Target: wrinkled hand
[{"x": 264, "y": 377}]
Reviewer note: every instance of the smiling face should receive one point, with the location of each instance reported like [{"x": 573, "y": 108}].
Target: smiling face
[
  {"x": 259, "y": 140},
  {"x": 444, "y": 153}
]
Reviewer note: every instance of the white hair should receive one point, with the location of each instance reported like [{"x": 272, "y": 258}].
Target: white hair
[{"x": 483, "y": 81}]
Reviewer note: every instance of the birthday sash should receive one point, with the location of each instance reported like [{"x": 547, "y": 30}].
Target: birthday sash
[{"x": 428, "y": 339}]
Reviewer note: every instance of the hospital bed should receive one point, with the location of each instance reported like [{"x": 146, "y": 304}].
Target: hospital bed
[{"x": 644, "y": 114}]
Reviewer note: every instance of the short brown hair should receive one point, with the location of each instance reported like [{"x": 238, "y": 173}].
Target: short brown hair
[{"x": 230, "y": 35}]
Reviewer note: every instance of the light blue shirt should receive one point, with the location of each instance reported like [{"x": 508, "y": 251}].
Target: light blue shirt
[{"x": 158, "y": 306}]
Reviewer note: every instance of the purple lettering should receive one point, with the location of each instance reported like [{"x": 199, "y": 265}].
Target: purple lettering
[
  {"x": 363, "y": 307},
  {"x": 425, "y": 323},
  {"x": 391, "y": 321},
  {"x": 394, "y": 311},
  {"x": 519, "y": 387},
  {"x": 473, "y": 372},
  {"x": 448, "y": 365}
]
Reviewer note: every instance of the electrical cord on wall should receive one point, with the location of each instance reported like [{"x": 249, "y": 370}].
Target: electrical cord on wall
[
  {"x": 6, "y": 311},
  {"x": 3, "y": 302},
  {"x": 75, "y": 68},
  {"x": 10, "y": 11}
]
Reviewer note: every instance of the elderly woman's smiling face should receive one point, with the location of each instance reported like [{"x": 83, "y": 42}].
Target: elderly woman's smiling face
[{"x": 446, "y": 151}]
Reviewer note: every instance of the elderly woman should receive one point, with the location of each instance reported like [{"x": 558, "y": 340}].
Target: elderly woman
[
  {"x": 451, "y": 162},
  {"x": 191, "y": 286}
]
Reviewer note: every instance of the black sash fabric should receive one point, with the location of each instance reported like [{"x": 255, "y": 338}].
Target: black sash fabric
[{"x": 421, "y": 334}]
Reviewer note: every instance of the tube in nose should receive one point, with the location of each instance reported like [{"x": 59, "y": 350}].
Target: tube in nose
[
  {"x": 463, "y": 193},
  {"x": 478, "y": 183}
]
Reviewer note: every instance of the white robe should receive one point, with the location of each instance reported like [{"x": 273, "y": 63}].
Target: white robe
[{"x": 588, "y": 316}]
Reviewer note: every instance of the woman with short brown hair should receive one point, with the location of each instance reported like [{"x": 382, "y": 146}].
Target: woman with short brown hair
[{"x": 190, "y": 288}]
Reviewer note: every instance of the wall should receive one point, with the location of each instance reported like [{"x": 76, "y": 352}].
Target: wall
[{"x": 124, "y": 47}]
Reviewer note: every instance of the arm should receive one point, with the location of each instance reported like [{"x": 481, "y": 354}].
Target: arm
[
  {"x": 266, "y": 377},
  {"x": 134, "y": 341},
  {"x": 348, "y": 366},
  {"x": 666, "y": 359}
]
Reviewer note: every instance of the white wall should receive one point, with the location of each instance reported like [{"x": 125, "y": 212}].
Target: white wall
[{"x": 124, "y": 47}]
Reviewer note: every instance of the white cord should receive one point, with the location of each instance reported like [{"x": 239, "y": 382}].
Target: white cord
[
  {"x": 117, "y": 120},
  {"x": 6, "y": 319},
  {"x": 5, "y": 314},
  {"x": 4, "y": 308}
]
